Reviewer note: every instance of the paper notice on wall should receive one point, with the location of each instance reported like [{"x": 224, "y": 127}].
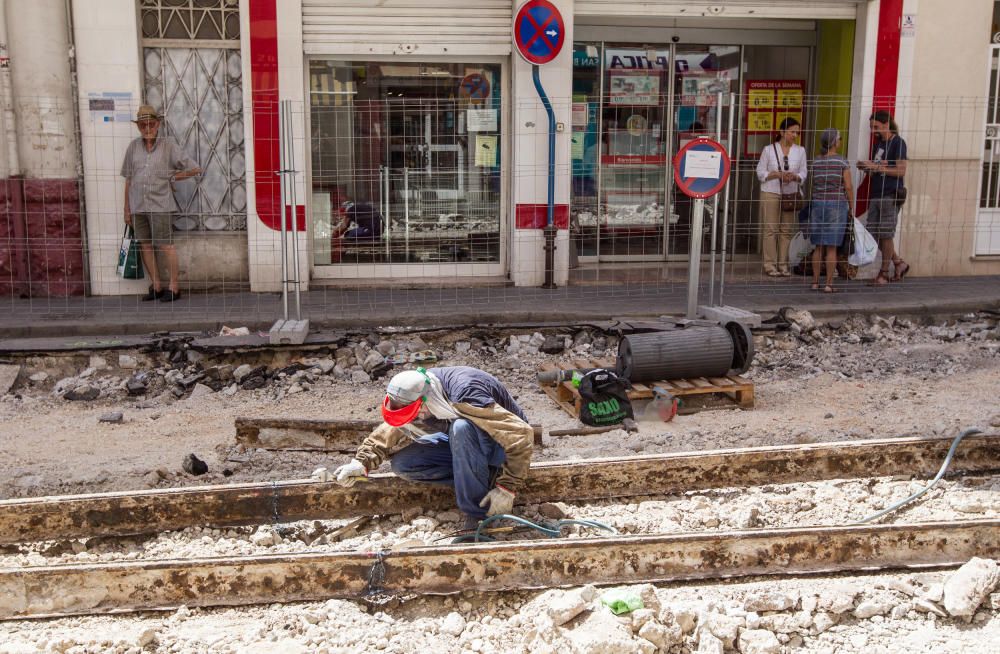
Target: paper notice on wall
[
  {"x": 481, "y": 120},
  {"x": 908, "y": 26},
  {"x": 702, "y": 164},
  {"x": 576, "y": 145},
  {"x": 580, "y": 114},
  {"x": 110, "y": 106},
  {"x": 486, "y": 151}
]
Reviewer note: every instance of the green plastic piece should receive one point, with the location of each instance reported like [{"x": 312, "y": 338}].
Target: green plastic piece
[{"x": 621, "y": 601}]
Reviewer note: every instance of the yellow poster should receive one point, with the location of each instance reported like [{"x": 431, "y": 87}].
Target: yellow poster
[
  {"x": 760, "y": 121},
  {"x": 789, "y": 97},
  {"x": 486, "y": 151},
  {"x": 781, "y": 115},
  {"x": 761, "y": 99}
]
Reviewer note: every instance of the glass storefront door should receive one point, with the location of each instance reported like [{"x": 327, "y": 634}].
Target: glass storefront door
[
  {"x": 633, "y": 107},
  {"x": 405, "y": 162}
]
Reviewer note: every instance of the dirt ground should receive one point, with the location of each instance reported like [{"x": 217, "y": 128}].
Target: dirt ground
[{"x": 854, "y": 379}]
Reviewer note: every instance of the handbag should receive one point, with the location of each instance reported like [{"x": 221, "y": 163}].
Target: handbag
[
  {"x": 128, "y": 256},
  {"x": 901, "y": 194},
  {"x": 790, "y": 202}
]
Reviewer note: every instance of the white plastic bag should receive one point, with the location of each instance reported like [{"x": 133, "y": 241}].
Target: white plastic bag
[
  {"x": 865, "y": 246},
  {"x": 800, "y": 248}
]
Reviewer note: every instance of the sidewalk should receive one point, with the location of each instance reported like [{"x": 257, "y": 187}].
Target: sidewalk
[{"x": 372, "y": 307}]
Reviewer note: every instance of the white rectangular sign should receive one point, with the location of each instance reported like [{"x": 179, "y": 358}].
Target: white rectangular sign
[
  {"x": 705, "y": 165},
  {"x": 481, "y": 120}
]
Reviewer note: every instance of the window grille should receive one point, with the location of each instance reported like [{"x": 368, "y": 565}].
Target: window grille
[
  {"x": 193, "y": 74},
  {"x": 191, "y": 20}
]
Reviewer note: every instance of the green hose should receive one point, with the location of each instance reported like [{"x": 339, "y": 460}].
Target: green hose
[
  {"x": 944, "y": 468},
  {"x": 548, "y": 530}
]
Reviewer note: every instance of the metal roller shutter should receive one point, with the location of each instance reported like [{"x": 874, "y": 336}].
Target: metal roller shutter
[
  {"x": 418, "y": 27},
  {"x": 808, "y": 9}
]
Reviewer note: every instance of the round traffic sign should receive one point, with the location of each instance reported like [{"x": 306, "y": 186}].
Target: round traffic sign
[
  {"x": 701, "y": 168},
  {"x": 474, "y": 86},
  {"x": 539, "y": 31}
]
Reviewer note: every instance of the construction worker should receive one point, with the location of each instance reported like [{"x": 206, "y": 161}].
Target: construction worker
[{"x": 466, "y": 431}]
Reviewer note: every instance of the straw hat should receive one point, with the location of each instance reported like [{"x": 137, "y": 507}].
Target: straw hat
[{"x": 146, "y": 112}]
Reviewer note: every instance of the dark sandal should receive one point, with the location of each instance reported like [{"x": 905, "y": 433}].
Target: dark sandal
[
  {"x": 880, "y": 280},
  {"x": 901, "y": 271}
]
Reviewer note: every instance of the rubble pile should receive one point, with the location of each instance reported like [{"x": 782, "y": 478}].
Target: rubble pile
[{"x": 128, "y": 420}]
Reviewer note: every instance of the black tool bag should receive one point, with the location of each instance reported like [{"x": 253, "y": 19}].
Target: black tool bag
[{"x": 603, "y": 398}]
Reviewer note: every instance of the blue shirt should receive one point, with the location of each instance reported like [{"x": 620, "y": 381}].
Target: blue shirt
[
  {"x": 471, "y": 386},
  {"x": 891, "y": 152}
]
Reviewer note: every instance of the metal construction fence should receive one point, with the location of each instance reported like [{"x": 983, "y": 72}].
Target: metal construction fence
[{"x": 421, "y": 204}]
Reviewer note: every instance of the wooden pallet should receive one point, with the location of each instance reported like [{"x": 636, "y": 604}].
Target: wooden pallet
[{"x": 729, "y": 392}]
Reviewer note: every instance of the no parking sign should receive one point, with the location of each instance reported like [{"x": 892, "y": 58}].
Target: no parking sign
[
  {"x": 701, "y": 168},
  {"x": 539, "y": 31}
]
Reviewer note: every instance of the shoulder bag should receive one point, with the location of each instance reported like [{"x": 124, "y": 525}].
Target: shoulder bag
[{"x": 790, "y": 202}]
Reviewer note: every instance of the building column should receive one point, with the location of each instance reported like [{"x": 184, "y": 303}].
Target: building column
[
  {"x": 274, "y": 67},
  {"x": 531, "y": 156},
  {"x": 46, "y": 226}
]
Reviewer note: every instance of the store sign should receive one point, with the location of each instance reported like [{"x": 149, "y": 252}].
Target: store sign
[
  {"x": 769, "y": 102},
  {"x": 633, "y": 88}
]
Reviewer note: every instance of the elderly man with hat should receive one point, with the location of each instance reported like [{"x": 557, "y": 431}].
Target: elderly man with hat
[
  {"x": 152, "y": 164},
  {"x": 465, "y": 431}
]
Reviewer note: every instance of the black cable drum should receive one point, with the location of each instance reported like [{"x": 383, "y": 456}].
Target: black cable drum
[{"x": 686, "y": 351}]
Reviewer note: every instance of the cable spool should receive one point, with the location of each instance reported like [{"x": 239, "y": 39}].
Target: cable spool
[{"x": 686, "y": 351}]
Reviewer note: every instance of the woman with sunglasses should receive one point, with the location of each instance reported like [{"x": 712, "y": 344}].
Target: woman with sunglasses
[{"x": 781, "y": 170}]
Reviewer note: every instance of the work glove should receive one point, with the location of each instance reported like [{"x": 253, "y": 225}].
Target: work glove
[
  {"x": 349, "y": 473},
  {"x": 321, "y": 474},
  {"x": 497, "y": 501}
]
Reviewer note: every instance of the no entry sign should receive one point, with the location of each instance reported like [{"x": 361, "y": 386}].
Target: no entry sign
[
  {"x": 701, "y": 168},
  {"x": 539, "y": 31},
  {"x": 474, "y": 86}
]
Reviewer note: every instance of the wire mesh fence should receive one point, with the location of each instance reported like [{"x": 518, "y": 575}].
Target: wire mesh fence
[{"x": 415, "y": 200}]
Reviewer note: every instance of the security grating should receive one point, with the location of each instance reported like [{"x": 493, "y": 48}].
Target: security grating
[
  {"x": 201, "y": 20},
  {"x": 199, "y": 91}
]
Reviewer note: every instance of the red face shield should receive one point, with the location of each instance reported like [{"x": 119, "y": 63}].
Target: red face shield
[{"x": 401, "y": 416}]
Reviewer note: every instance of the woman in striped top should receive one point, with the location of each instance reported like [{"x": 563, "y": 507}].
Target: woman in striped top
[{"x": 830, "y": 208}]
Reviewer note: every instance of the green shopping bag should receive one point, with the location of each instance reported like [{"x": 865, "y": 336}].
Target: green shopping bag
[{"x": 129, "y": 266}]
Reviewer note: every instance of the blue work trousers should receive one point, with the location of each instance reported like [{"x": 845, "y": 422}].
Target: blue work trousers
[{"x": 465, "y": 458}]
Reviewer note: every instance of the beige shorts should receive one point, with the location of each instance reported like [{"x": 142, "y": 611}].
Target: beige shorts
[{"x": 154, "y": 228}]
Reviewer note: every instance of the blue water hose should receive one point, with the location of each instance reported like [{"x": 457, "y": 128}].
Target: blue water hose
[{"x": 937, "y": 478}]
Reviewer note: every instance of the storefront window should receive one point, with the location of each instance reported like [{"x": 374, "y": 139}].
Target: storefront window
[{"x": 405, "y": 162}]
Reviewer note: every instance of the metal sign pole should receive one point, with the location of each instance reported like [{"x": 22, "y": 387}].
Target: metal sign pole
[
  {"x": 550, "y": 228},
  {"x": 694, "y": 262},
  {"x": 293, "y": 203},
  {"x": 725, "y": 205},
  {"x": 715, "y": 209},
  {"x": 281, "y": 214}
]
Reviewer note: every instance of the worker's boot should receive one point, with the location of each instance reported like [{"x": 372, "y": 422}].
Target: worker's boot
[{"x": 470, "y": 523}]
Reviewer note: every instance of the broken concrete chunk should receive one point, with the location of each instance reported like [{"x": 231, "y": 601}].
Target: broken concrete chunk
[
  {"x": 839, "y": 599},
  {"x": 554, "y": 510},
  {"x": 85, "y": 393},
  {"x": 127, "y": 362},
  {"x": 709, "y": 644},
  {"x": 242, "y": 371},
  {"x": 759, "y": 641},
  {"x": 200, "y": 390},
  {"x": 115, "y": 417},
  {"x": 453, "y": 624},
  {"x": 562, "y": 606},
  {"x": 868, "y": 608},
  {"x": 193, "y": 465},
  {"x": 771, "y": 600},
  {"x": 965, "y": 590},
  {"x": 663, "y": 637}
]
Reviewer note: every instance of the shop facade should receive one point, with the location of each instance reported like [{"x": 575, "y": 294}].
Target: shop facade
[{"x": 421, "y": 144}]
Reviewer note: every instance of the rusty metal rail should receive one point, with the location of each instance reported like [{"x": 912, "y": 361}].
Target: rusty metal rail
[
  {"x": 127, "y": 513},
  {"x": 311, "y": 435},
  {"x": 135, "y": 586}
]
